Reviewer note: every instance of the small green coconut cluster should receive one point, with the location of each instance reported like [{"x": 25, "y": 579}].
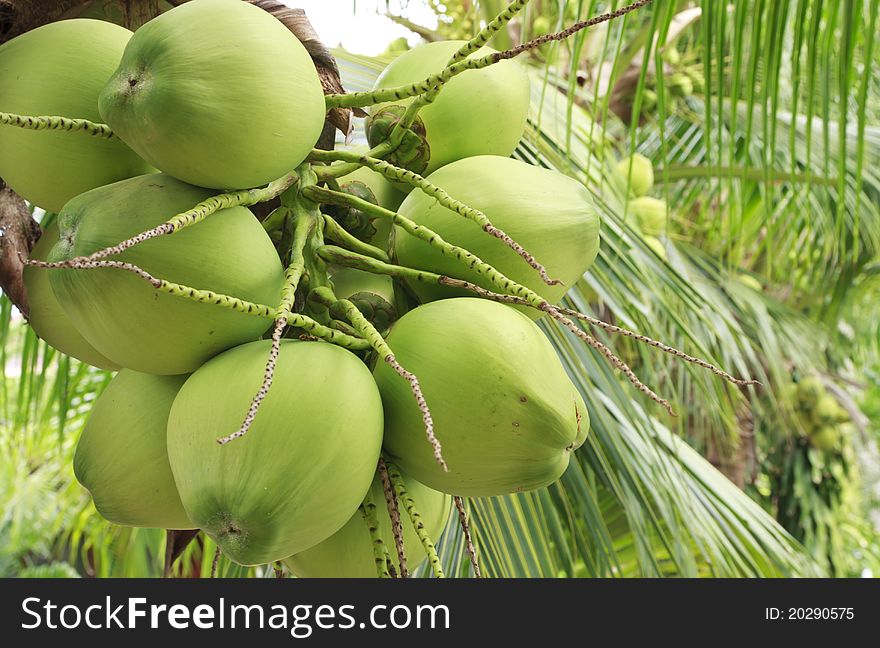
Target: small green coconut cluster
[
  {"x": 820, "y": 417},
  {"x": 635, "y": 173},
  {"x": 321, "y": 385}
]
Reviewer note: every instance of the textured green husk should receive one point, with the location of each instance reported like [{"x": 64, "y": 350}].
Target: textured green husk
[
  {"x": 304, "y": 467},
  {"x": 124, "y": 317},
  {"x": 58, "y": 70},
  {"x": 121, "y": 457},
  {"x": 217, "y": 93},
  {"x": 504, "y": 409},
  {"x": 551, "y": 215},
  {"x": 348, "y": 553}
]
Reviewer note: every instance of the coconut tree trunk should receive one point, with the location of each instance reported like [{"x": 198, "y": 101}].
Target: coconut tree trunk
[
  {"x": 18, "y": 233},
  {"x": 20, "y": 16}
]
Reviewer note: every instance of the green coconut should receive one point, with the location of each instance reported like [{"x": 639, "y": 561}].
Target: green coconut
[
  {"x": 641, "y": 178},
  {"x": 348, "y": 553},
  {"x": 551, "y": 215},
  {"x": 121, "y": 457},
  {"x": 505, "y": 412},
  {"x": 808, "y": 391},
  {"x": 650, "y": 215},
  {"x": 825, "y": 438},
  {"x": 680, "y": 84},
  {"x": 373, "y": 187},
  {"x": 373, "y": 294},
  {"x": 828, "y": 411},
  {"x": 129, "y": 321},
  {"x": 304, "y": 467},
  {"x": 218, "y": 93},
  {"x": 59, "y": 69},
  {"x": 478, "y": 112},
  {"x": 46, "y": 316}
]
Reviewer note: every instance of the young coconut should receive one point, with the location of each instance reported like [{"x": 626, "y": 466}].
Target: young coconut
[
  {"x": 121, "y": 457},
  {"x": 650, "y": 215},
  {"x": 217, "y": 93},
  {"x": 828, "y": 411},
  {"x": 551, "y": 215},
  {"x": 58, "y": 70},
  {"x": 129, "y": 321},
  {"x": 641, "y": 178},
  {"x": 304, "y": 467},
  {"x": 505, "y": 413},
  {"x": 46, "y": 316},
  {"x": 478, "y": 112},
  {"x": 348, "y": 553},
  {"x": 825, "y": 438}
]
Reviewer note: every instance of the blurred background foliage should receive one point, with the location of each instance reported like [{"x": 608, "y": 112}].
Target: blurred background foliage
[{"x": 762, "y": 123}]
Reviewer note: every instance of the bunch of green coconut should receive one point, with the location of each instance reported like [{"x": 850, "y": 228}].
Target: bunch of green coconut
[
  {"x": 635, "y": 173},
  {"x": 820, "y": 416},
  {"x": 682, "y": 77},
  {"x": 281, "y": 382}
]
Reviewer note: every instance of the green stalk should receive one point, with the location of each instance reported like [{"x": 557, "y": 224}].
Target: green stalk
[
  {"x": 398, "y": 174},
  {"x": 225, "y": 301},
  {"x": 335, "y": 232},
  {"x": 52, "y": 122},
  {"x": 415, "y": 518},
  {"x": 209, "y": 206},
  {"x": 380, "y": 553},
  {"x": 365, "y": 328},
  {"x": 494, "y": 26}
]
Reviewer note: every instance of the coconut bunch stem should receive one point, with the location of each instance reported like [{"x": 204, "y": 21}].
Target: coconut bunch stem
[
  {"x": 209, "y": 206},
  {"x": 468, "y": 540},
  {"x": 53, "y": 122},
  {"x": 429, "y": 236},
  {"x": 292, "y": 277},
  {"x": 215, "y": 562},
  {"x": 394, "y": 513},
  {"x": 508, "y": 286},
  {"x": 474, "y": 44},
  {"x": 325, "y": 296},
  {"x": 493, "y": 27},
  {"x": 398, "y": 174},
  {"x": 415, "y": 517},
  {"x": 296, "y": 320},
  {"x": 351, "y": 259},
  {"x": 335, "y": 232},
  {"x": 380, "y": 552}
]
